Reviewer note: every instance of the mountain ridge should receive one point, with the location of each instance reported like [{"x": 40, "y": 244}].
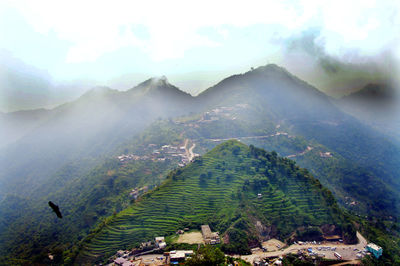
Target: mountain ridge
[{"x": 70, "y": 147}]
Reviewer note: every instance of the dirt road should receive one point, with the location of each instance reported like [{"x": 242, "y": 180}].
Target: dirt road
[
  {"x": 189, "y": 152},
  {"x": 252, "y": 137},
  {"x": 309, "y": 148}
]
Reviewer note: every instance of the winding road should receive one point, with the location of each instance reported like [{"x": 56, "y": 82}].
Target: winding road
[{"x": 189, "y": 152}]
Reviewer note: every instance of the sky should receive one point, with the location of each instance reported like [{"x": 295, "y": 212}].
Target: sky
[{"x": 52, "y": 51}]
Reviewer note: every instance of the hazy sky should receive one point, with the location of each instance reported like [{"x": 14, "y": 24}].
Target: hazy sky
[{"x": 195, "y": 44}]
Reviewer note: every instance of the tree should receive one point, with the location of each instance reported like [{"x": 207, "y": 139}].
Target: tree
[
  {"x": 236, "y": 150},
  {"x": 207, "y": 255}
]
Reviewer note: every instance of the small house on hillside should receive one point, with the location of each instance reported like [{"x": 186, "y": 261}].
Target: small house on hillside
[
  {"x": 160, "y": 242},
  {"x": 120, "y": 261},
  {"x": 374, "y": 249},
  {"x": 208, "y": 236},
  {"x": 144, "y": 245},
  {"x": 179, "y": 256}
]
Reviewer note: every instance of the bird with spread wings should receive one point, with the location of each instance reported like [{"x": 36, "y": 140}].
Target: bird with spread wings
[{"x": 55, "y": 209}]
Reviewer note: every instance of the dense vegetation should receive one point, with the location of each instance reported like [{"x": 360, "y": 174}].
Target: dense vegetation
[
  {"x": 221, "y": 189},
  {"x": 70, "y": 158},
  {"x": 85, "y": 201},
  {"x": 208, "y": 255}
]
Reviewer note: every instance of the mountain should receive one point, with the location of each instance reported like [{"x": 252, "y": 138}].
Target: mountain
[
  {"x": 85, "y": 130},
  {"x": 223, "y": 188},
  {"x": 71, "y": 157},
  {"x": 85, "y": 198},
  {"x": 377, "y": 105},
  {"x": 310, "y": 114},
  {"x": 16, "y": 124}
]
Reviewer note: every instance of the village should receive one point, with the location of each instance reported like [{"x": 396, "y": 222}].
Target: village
[
  {"x": 152, "y": 252},
  {"x": 270, "y": 252},
  {"x": 181, "y": 153}
]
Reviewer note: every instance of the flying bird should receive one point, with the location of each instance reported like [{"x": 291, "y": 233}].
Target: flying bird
[{"x": 55, "y": 209}]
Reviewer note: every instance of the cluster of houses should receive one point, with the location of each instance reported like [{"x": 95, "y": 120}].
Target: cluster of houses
[
  {"x": 178, "y": 256},
  {"x": 325, "y": 154},
  {"x": 208, "y": 236},
  {"x": 223, "y": 111},
  {"x": 158, "y": 154},
  {"x": 170, "y": 151},
  {"x": 143, "y": 256},
  {"x": 351, "y": 202},
  {"x": 121, "y": 258},
  {"x": 136, "y": 192},
  {"x": 267, "y": 261},
  {"x": 129, "y": 157}
]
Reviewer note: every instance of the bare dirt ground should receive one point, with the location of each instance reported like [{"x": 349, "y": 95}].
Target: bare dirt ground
[
  {"x": 191, "y": 238},
  {"x": 273, "y": 244},
  {"x": 351, "y": 262},
  {"x": 348, "y": 252}
]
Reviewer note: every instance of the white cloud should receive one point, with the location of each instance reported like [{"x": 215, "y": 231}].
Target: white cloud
[{"x": 94, "y": 27}]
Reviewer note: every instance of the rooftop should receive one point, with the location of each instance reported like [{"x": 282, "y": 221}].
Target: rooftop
[
  {"x": 180, "y": 253},
  {"x": 374, "y": 246}
]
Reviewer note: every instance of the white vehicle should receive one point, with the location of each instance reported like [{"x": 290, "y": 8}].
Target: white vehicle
[{"x": 337, "y": 255}]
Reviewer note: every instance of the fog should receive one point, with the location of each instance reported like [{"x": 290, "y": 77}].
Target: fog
[
  {"x": 121, "y": 44},
  {"x": 69, "y": 154},
  {"x": 83, "y": 83}
]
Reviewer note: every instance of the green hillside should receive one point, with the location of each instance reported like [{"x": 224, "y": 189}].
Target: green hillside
[
  {"x": 221, "y": 188},
  {"x": 71, "y": 158},
  {"x": 85, "y": 201}
]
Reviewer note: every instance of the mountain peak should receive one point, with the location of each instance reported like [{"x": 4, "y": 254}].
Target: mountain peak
[
  {"x": 275, "y": 70},
  {"x": 271, "y": 78},
  {"x": 161, "y": 81},
  {"x": 98, "y": 91},
  {"x": 269, "y": 67},
  {"x": 156, "y": 85}
]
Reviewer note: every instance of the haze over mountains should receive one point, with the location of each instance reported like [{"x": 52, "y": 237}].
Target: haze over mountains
[
  {"x": 376, "y": 104},
  {"x": 102, "y": 119},
  {"x": 68, "y": 154}
]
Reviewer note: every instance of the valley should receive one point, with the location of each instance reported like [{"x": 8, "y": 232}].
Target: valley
[{"x": 112, "y": 188}]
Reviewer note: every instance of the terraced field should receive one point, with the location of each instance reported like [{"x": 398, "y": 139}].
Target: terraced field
[{"x": 220, "y": 188}]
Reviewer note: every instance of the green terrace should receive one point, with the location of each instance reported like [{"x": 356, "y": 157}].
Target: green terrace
[{"x": 231, "y": 188}]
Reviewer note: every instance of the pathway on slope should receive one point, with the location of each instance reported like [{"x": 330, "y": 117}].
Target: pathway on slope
[
  {"x": 308, "y": 149},
  {"x": 189, "y": 152},
  {"x": 252, "y": 137}
]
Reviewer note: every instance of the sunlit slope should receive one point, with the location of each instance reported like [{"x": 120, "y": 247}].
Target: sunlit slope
[
  {"x": 89, "y": 127},
  {"x": 221, "y": 188}
]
